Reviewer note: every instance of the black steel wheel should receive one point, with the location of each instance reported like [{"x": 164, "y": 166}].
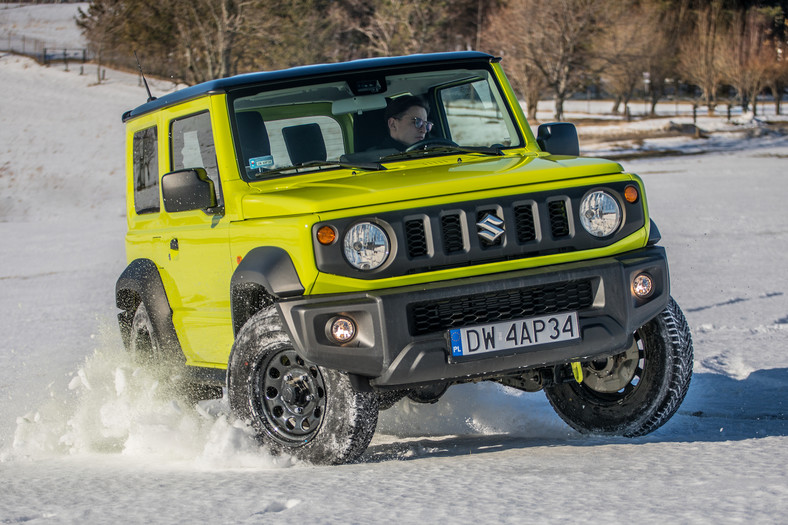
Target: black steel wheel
[
  {"x": 290, "y": 395},
  {"x": 637, "y": 391},
  {"x": 294, "y": 406}
]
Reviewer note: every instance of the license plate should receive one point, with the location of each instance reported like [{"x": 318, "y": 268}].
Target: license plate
[{"x": 509, "y": 335}]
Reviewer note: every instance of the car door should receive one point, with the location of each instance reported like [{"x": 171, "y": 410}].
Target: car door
[{"x": 197, "y": 268}]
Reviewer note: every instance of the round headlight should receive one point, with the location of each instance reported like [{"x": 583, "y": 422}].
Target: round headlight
[
  {"x": 366, "y": 246},
  {"x": 600, "y": 214}
]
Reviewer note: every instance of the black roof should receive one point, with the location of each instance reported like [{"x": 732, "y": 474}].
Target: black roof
[{"x": 224, "y": 84}]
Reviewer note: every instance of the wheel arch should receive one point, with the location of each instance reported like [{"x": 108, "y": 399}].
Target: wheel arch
[
  {"x": 139, "y": 283},
  {"x": 265, "y": 275}
]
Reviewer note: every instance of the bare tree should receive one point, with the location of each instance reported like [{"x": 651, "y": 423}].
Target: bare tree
[
  {"x": 746, "y": 57},
  {"x": 556, "y": 36},
  {"x": 778, "y": 73},
  {"x": 503, "y": 36},
  {"x": 398, "y": 27},
  {"x": 699, "y": 54},
  {"x": 102, "y": 25},
  {"x": 669, "y": 20},
  {"x": 210, "y": 32},
  {"x": 623, "y": 50}
]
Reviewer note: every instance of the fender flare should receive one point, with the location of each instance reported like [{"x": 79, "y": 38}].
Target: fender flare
[
  {"x": 653, "y": 236},
  {"x": 265, "y": 275},
  {"x": 141, "y": 282}
]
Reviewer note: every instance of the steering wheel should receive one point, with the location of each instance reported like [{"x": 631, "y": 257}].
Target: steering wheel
[{"x": 437, "y": 141}]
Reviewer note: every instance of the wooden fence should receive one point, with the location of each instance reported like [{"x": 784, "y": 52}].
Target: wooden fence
[{"x": 44, "y": 52}]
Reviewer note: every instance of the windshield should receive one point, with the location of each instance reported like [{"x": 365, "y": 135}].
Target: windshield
[{"x": 367, "y": 120}]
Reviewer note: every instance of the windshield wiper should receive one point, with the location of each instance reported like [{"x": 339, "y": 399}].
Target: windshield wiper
[
  {"x": 444, "y": 148},
  {"x": 366, "y": 166}
]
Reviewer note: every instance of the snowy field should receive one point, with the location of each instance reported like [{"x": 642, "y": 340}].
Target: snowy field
[
  {"x": 52, "y": 24},
  {"x": 87, "y": 437}
]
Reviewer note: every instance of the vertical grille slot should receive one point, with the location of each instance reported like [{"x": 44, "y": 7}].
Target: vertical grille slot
[
  {"x": 451, "y": 229},
  {"x": 524, "y": 223},
  {"x": 416, "y": 238},
  {"x": 559, "y": 222}
]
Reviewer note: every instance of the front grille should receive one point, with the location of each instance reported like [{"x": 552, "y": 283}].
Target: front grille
[
  {"x": 485, "y": 231},
  {"x": 438, "y": 316}
]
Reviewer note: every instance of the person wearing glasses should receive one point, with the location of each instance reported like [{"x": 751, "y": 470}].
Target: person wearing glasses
[{"x": 406, "y": 118}]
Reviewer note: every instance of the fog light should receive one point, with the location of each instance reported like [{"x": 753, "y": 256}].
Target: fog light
[
  {"x": 342, "y": 329},
  {"x": 642, "y": 285}
]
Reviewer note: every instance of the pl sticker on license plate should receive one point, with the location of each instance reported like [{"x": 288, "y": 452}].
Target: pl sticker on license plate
[{"x": 509, "y": 335}]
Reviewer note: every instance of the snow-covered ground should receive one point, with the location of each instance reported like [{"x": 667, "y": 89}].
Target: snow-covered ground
[
  {"x": 52, "y": 24},
  {"x": 88, "y": 437}
]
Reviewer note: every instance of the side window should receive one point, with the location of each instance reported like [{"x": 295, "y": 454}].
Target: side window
[
  {"x": 191, "y": 146},
  {"x": 146, "y": 171}
]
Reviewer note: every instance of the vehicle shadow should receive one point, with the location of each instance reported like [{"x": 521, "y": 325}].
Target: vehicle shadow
[{"x": 717, "y": 408}]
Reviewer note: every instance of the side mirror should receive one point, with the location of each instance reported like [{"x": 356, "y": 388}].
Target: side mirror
[
  {"x": 189, "y": 189},
  {"x": 558, "y": 138}
]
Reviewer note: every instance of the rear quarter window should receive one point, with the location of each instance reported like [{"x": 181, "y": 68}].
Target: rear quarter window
[{"x": 146, "y": 171}]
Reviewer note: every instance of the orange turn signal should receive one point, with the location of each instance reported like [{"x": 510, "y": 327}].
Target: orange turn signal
[
  {"x": 631, "y": 194},
  {"x": 326, "y": 235}
]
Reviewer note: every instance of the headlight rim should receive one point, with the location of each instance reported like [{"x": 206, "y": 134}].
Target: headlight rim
[
  {"x": 615, "y": 198},
  {"x": 388, "y": 235}
]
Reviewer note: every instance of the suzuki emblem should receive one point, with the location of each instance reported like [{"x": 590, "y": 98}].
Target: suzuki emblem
[{"x": 490, "y": 228}]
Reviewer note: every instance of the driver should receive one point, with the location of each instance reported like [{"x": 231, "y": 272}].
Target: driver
[{"x": 406, "y": 118}]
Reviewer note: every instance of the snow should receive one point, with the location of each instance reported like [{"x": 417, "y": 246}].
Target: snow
[
  {"x": 53, "y": 24},
  {"x": 88, "y": 436}
]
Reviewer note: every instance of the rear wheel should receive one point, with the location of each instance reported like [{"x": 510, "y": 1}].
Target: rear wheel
[
  {"x": 637, "y": 391},
  {"x": 146, "y": 349},
  {"x": 295, "y": 406},
  {"x": 142, "y": 343}
]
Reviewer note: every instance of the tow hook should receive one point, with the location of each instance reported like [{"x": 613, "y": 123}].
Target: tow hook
[{"x": 577, "y": 371}]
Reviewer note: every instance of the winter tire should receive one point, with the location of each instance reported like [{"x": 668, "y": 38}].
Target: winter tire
[
  {"x": 635, "y": 392},
  {"x": 142, "y": 343},
  {"x": 294, "y": 406}
]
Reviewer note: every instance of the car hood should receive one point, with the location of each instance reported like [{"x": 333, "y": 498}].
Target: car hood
[{"x": 345, "y": 189}]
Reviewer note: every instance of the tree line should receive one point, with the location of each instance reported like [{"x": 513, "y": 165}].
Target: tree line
[{"x": 556, "y": 48}]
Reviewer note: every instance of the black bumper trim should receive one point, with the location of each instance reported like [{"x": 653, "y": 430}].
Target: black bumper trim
[{"x": 387, "y": 353}]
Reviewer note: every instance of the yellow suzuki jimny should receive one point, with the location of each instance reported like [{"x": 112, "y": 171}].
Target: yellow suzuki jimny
[{"x": 325, "y": 240}]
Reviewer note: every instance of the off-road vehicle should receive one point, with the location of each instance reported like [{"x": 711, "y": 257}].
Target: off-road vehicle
[{"x": 275, "y": 248}]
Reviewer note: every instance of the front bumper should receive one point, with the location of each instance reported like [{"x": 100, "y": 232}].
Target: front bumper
[{"x": 402, "y": 332}]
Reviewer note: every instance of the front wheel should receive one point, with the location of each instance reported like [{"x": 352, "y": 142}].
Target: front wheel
[
  {"x": 295, "y": 406},
  {"x": 637, "y": 391}
]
